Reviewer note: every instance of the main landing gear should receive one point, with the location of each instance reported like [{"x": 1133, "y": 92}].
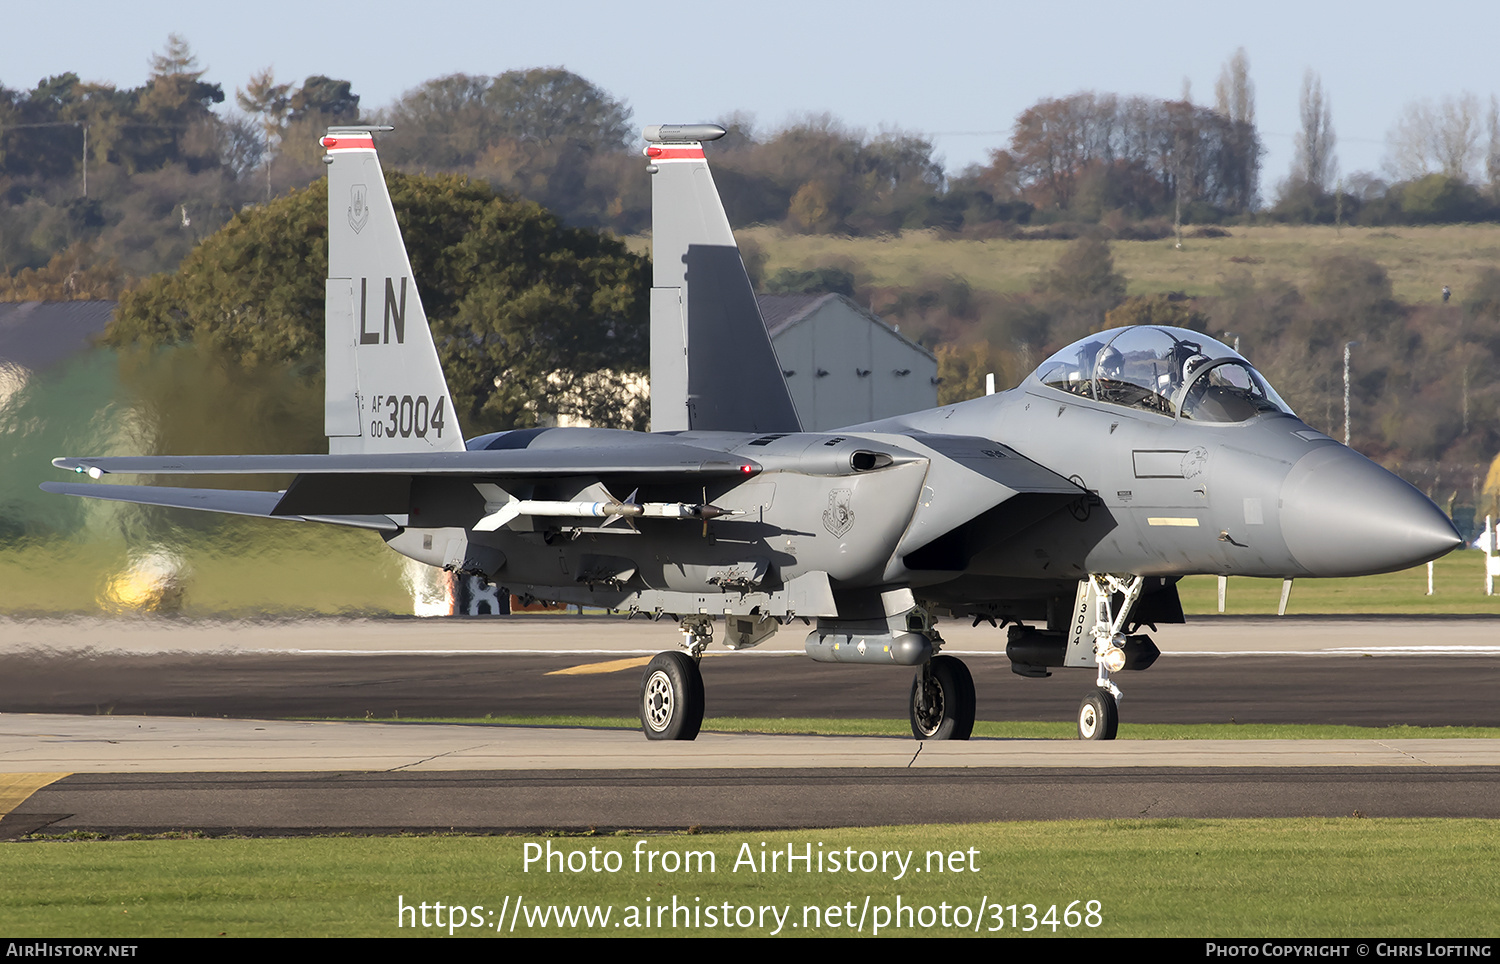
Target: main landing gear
[
  {"x": 941, "y": 707},
  {"x": 672, "y": 686},
  {"x": 942, "y": 700},
  {"x": 672, "y": 697}
]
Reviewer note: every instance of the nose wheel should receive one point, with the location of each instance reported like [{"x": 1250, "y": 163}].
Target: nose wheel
[
  {"x": 942, "y": 700},
  {"x": 672, "y": 697},
  {"x": 1098, "y": 716}
]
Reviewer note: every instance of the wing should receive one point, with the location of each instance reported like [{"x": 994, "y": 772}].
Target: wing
[
  {"x": 370, "y": 487},
  {"x": 229, "y": 501}
]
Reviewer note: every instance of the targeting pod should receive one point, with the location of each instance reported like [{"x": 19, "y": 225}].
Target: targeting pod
[{"x": 1032, "y": 651}]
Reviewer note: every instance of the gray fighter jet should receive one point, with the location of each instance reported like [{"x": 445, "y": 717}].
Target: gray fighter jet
[{"x": 1066, "y": 508}]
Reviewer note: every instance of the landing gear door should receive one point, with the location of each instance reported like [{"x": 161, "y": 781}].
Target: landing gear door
[{"x": 1080, "y": 650}]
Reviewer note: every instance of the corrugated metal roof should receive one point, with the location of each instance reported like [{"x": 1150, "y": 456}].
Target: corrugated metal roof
[{"x": 38, "y": 334}]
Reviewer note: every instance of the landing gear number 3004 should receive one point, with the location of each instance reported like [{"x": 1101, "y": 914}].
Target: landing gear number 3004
[{"x": 405, "y": 416}]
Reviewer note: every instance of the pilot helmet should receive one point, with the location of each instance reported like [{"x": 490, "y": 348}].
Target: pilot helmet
[{"x": 1111, "y": 363}]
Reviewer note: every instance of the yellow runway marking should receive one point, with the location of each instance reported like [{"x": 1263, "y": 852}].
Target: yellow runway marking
[
  {"x": 608, "y": 666},
  {"x": 16, "y": 788}
]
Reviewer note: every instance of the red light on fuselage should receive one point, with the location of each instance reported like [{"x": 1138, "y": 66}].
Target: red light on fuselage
[
  {"x": 329, "y": 141},
  {"x": 653, "y": 151},
  {"x": 746, "y": 469}
]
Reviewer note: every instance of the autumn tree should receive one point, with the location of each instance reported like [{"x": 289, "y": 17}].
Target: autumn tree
[
  {"x": 1091, "y": 152},
  {"x": 73, "y": 274}
]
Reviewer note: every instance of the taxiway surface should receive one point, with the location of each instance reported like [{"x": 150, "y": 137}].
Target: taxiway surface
[{"x": 82, "y": 737}]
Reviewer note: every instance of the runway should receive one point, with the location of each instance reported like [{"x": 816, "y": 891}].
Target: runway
[{"x": 93, "y": 728}]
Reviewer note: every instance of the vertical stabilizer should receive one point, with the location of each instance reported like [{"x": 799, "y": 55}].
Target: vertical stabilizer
[
  {"x": 386, "y": 391},
  {"x": 712, "y": 364}
]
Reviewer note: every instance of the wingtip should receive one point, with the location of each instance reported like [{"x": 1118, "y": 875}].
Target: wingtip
[{"x": 76, "y": 465}]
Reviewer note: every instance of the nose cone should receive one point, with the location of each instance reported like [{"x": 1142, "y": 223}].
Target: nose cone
[{"x": 1343, "y": 515}]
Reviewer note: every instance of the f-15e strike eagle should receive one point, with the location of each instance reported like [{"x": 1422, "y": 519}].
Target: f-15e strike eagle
[{"x": 1067, "y": 507}]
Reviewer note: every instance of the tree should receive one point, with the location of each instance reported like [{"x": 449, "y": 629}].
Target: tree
[
  {"x": 546, "y": 134},
  {"x": 1234, "y": 94},
  {"x": 442, "y": 123},
  {"x": 1234, "y": 100},
  {"x": 1492, "y": 151},
  {"x": 174, "y": 121},
  {"x": 176, "y": 60},
  {"x": 1091, "y": 153},
  {"x": 549, "y": 105},
  {"x": 1315, "y": 163},
  {"x": 72, "y": 275},
  {"x": 269, "y": 101},
  {"x": 1351, "y": 297},
  {"x": 1437, "y": 139},
  {"x": 266, "y": 99},
  {"x": 1086, "y": 273},
  {"x": 324, "y": 100},
  {"x": 523, "y": 309}
]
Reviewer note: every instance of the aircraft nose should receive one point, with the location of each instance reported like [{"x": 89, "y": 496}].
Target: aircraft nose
[{"x": 1343, "y": 515}]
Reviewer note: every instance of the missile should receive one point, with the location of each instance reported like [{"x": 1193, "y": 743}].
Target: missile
[{"x": 501, "y": 508}]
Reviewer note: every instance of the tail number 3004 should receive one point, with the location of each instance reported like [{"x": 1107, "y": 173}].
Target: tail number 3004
[{"x": 405, "y": 416}]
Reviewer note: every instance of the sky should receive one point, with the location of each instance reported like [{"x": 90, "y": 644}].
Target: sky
[{"x": 959, "y": 72}]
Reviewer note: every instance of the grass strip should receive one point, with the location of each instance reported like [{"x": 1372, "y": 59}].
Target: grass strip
[{"x": 1170, "y": 877}]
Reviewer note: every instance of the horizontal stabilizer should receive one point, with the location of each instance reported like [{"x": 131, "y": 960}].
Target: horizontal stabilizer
[{"x": 228, "y": 501}]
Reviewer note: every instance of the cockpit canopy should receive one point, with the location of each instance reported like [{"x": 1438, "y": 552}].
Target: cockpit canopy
[{"x": 1169, "y": 371}]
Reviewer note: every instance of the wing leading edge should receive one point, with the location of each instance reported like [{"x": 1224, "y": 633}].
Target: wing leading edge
[{"x": 666, "y": 458}]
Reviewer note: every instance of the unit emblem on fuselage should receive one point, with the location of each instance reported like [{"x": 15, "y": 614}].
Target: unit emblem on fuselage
[
  {"x": 1194, "y": 462},
  {"x": 838, "y": 518}
]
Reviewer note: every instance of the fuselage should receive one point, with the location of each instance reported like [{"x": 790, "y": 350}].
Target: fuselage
[{"x": 1075, "y": 485}]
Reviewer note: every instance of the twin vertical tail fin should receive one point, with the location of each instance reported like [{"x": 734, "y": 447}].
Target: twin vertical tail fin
[
  {"x": 386, "y": 392},
  {"x": 712, "y": 364}
]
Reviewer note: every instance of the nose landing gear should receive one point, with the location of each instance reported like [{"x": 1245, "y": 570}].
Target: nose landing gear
[
  {"x": 1099, "y": 713},
  {"x": 1098, "y": 716}
]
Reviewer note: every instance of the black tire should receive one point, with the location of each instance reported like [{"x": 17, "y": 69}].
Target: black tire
[
  {"x": 950, "y": 712},
  {"x": 671, "y": 697},
  {"x": 1098, "y": 716}
]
